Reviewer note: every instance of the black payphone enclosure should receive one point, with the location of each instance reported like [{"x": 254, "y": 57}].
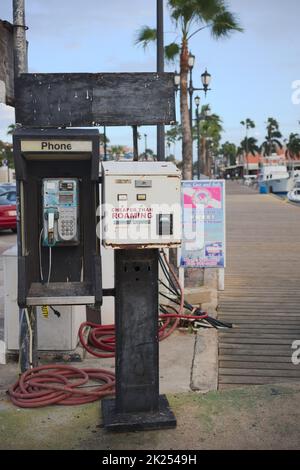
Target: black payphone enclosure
[{"x": 75, "y": 270}]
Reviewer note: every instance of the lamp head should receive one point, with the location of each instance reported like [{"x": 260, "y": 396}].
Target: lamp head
[
  {"x": 176, "y": 79},
  {"x": 206, "y": 79},
  {"x": 191, "y": 60}
]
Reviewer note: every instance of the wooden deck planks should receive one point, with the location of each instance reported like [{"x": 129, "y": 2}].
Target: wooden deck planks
[{"x": 262, "y": 290}]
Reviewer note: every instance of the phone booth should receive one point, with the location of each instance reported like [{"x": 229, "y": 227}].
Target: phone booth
[{"x": 57, "y": 173}]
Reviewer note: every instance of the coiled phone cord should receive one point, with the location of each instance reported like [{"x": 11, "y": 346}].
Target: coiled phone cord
[{"x": 40, "y": 259}]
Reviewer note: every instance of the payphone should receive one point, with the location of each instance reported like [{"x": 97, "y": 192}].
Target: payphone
[
  {"x": 60, "y": 211},
  {"x": 57, "y": 173}
]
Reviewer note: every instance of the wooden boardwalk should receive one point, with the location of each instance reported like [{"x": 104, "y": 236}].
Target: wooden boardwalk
[{"x": 262, "y": 289}]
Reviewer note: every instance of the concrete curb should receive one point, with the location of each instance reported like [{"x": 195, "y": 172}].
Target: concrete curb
[
  {"x": 2, "y": 353},
  {"x": 204, "y": 297},
  {"x": 204, "y": 373}
]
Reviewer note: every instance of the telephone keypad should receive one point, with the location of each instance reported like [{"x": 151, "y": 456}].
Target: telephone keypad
[{"x": 68, "y": 228}]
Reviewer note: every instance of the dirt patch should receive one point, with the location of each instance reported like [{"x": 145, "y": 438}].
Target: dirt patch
[{"x": 263, "y": 417}]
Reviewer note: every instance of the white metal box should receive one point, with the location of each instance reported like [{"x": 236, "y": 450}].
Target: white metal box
[
  {"x": 54, "y": 334},
  {"x": 141, "y": 205}
]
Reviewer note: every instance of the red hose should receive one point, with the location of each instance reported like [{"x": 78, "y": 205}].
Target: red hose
[
  {"x": 101, "y": 338},
  {"x": 67, "y": 385},
  {"x": 167, "y": 332},
  {"x": 60, "y": 385}
]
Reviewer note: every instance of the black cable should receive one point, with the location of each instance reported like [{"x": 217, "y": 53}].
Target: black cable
[
  {"x": 173, "y": 290},
  {"x": 167, "y": 273},
  {"x": 164, "y": 310},
  {"x": 186, "y": 304},
  {"x": 56, "y": 312},
  {"x": 169, "y": 298},
  {"x": 170, "y": 282},
  {"x": 168, "y": 287}
]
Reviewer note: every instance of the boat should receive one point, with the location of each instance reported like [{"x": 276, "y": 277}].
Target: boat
[
  {"x": 294, "y": 195},
  {"x": 277, "y": 175}
]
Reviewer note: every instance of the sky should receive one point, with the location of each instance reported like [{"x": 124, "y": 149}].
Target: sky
[{"x": 253, "y": 73}]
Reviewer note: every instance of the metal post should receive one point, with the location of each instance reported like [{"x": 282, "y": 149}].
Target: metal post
[
  {"x": 160, "y": 68},
  {"x": 105, "y": 144},
  {"x": 191, "y": 89},
  {"x": 28, "y": 352},
  {"x": 27, "y": 325},
  {"x": 138, "y": 405},
  {"x": 135, "y": 144},
  {"x": 247, "y": 151},
  {"x": 145, "y": 136},
  {"x": 20, "y": 52},
  {"x": 198, "y": 144}
]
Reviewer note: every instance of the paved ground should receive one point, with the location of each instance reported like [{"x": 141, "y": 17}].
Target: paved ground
[
  {"x": 259, "y": 417},
  {"x": 7, "y": 239},
  {"x": 176, "y": 358},
  {"x": 262, "y": 295}
]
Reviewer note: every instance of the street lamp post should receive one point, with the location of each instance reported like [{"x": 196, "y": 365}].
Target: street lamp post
[
  {"x": 105, "y": 145},
  {"x": 191, "y": 62},
  {"x": 205, "y": 79},
  {"x": 177, "y": 80},
  {"x": 200, "y": 117},
  {"x": 145, "y": 136},
  {"x": 197, "y": 102}
]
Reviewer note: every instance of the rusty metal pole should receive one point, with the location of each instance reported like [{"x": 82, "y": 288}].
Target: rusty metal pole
[
  {"x": 20, "y": 48},
  {"x": 160, "y": 68},
  {"x": 27, "y": 321}
]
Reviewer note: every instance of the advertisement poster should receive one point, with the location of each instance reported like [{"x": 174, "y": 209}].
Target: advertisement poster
[{"x": 203, "y": 218}]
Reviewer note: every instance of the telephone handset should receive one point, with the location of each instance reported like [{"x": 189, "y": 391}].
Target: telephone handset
[{"x": 60, "y": 211}]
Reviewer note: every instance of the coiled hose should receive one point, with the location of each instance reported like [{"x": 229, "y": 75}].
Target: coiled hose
[
  {"x": 99, "y": 340},
  {"x": 67, "y": 385},
  {"x": 60, "y": 385}
]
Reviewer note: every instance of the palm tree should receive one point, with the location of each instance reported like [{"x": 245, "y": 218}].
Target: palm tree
[
  {"x": 172, "y": 135},
  {"x": 272, "y": 141},
  {"x": 293, "y": 146},
  {"x": 210, "y": 136},
  {"x": 11, "y": 128},
  {"x": 148, "y": 155},
  {"x": 104, "y": 140},
  {"x": 229, "y": 152},
  {"x": 6, "y": 153},
  {"x": 191, "y": 17},
  {"x": 117, "y": 151},
  {"x": 248, "y": 124},
  {"x": 248, "y": 145}
]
